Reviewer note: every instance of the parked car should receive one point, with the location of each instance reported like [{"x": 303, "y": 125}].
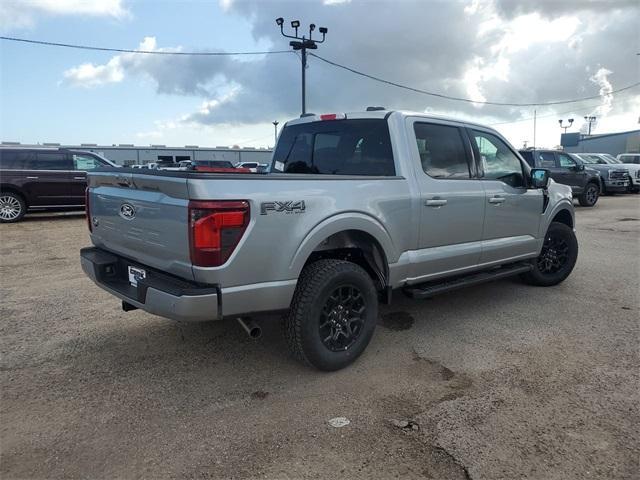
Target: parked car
[
  {"x": 44, "y": 178},
  {"x": 252, "y": 166},
  {"x": 629, "y": 158},
  {"x": 615, "y": 178},
  {"x": 632, "y": 168},
  {"x": 586, "y": 183},
  {"x": 355, "y": 206}
]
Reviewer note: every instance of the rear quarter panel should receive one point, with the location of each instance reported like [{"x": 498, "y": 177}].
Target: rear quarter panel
[{"x": 277, "y": 244}]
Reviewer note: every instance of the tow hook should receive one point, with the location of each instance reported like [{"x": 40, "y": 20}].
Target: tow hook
[{"x": 251, "y": 327}]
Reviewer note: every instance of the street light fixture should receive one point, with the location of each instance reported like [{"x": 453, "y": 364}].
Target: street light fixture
[
  {"x": 565, "y": 126},
  {"x": 591, "y": 120},
  {"x": 302, "y": 43}
]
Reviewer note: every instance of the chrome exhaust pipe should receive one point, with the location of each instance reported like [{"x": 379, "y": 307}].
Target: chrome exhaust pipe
[{"x": 251, "y": 327}]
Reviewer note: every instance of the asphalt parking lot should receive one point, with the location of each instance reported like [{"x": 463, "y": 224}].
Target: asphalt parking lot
[{"x": 497, "y": 381}]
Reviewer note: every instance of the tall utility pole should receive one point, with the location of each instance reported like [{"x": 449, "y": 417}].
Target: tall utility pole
[
  {"x": 535, "y": 118},
  {"x": 302, "y": 44},
  {"x": 275, "y": 132},
  {"x": 590, "y": 120}
]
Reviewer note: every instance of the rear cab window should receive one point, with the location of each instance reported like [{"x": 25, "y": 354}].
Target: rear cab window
[
  {"x": 442, "y": 151},
  {"x": 336, "y": 147}
]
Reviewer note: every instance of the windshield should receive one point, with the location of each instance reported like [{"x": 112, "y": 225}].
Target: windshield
[
  {"x": 591, "y": 159},
  {"x": 610, "y": 158}
]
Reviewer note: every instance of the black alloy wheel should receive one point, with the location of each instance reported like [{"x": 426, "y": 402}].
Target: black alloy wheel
[{"x": 342, "y": 318}]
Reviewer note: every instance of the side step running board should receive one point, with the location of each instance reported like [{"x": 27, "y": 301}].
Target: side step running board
[{"x": 430, "y": 289}]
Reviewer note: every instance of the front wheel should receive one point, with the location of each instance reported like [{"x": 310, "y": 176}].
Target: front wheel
[
  {"x": 590, "y": 195},
  {"x": 557, "y": 258},
  {"x": 333, "y": 314}
]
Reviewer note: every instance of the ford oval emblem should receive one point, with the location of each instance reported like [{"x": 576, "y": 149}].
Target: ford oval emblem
[{"x": 127, "y": 211}]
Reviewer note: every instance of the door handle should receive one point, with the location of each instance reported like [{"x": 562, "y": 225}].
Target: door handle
[
  {"x": 496, "y": 200},
  {"x": 32, "y": 178},
  {"x": 435, "y": 202},
  {"x": 79, "y": 178}
]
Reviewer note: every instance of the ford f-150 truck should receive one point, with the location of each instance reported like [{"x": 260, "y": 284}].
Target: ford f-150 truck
[{"x": 355, "y": 206}]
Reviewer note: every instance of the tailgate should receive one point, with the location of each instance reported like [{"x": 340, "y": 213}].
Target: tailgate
[{"x": 143, "y": 217}]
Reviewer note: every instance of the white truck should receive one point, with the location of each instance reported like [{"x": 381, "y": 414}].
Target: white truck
[{"x": 355, "y": 206}]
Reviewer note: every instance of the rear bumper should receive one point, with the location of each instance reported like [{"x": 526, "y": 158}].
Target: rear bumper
[
  {"x": 159, "y": 294},
  {"x": 178, "y": 299}
]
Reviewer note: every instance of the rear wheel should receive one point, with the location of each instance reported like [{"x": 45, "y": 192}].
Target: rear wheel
[
  {"x": 333, "y": 314},
  {"x": 589, "y": 197},
  {"x": 557, "y": 258},
  {"x": 12, "y": 207}
]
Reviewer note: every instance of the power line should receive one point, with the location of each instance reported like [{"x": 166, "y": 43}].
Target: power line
[
  {"x": 335, "y": 64},
  {"x": 555, "y": 114},
  {"x": 461, "y": 99},
  {"x": 124, "y": 50}
]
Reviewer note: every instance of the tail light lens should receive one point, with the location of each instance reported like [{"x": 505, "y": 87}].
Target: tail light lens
[
  {"x": 215, "y": 229},
  {"x": 87, "y": 209}
]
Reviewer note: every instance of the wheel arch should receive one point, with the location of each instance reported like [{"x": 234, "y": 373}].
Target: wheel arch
[
  {"x": 564, "y": 216},
  {"x": 352, "y": 236},
  {"x": 7, "y": 187}
]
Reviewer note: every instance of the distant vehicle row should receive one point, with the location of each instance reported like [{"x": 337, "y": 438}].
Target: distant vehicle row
[
  {"x": 55, "y": 178},
  {"x": 588, "y": 174},
  {"x": 199, "y": 164}
]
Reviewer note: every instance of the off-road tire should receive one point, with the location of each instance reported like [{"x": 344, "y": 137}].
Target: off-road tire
[
  {"x": 316, "y": 284},
  {"x": 15, "y": 200},
  {"x": 537, "y": 276},
  {"x": 590, "y": 196}
]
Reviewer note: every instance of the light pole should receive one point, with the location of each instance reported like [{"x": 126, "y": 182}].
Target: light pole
[
  {"x": 275, "y": 133},
  {"x": 591, "y": 121},
  {"x": 302, "y": 44},
  {"x": 567, "y": 126}
]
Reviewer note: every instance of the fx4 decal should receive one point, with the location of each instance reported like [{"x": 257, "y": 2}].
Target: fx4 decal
[{"x": 279, "y": 207}]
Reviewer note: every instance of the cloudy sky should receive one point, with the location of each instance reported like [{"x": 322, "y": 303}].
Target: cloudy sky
[{"x": 508, "y": 51}]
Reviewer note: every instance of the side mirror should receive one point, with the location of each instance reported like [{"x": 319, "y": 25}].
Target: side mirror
[
  {"x": 579, "y": 167},
  {"x": 539, "y": 177}
]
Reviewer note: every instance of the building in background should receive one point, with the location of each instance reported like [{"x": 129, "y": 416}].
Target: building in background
[
  {"x": 612, "y": 143},
  {"x": 129, "y": 154}
]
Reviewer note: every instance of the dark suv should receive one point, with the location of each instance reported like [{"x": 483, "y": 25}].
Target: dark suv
[
  {"x": 43, "y": 178},
  {"x": 564, "y": 168}
]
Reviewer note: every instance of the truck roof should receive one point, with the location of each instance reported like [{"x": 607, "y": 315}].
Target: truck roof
[{"x": 311, "y": 117}]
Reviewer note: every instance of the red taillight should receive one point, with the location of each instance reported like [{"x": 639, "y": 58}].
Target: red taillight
[
  {"x": 87, "y": 209},
  {"x": 215, "y": 229}
]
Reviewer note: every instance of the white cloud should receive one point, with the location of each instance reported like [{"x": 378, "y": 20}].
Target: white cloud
[
  {"x": 88, "y": 75},
  {"x": 16, "y": 14}
]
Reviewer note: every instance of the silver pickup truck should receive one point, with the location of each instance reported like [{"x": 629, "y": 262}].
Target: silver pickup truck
[{"x": 354, "y": 206}]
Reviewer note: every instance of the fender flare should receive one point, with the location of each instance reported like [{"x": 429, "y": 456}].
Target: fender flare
[
  {"x": 551, "y": 214},
  {"x": 339, "y": 223}
]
